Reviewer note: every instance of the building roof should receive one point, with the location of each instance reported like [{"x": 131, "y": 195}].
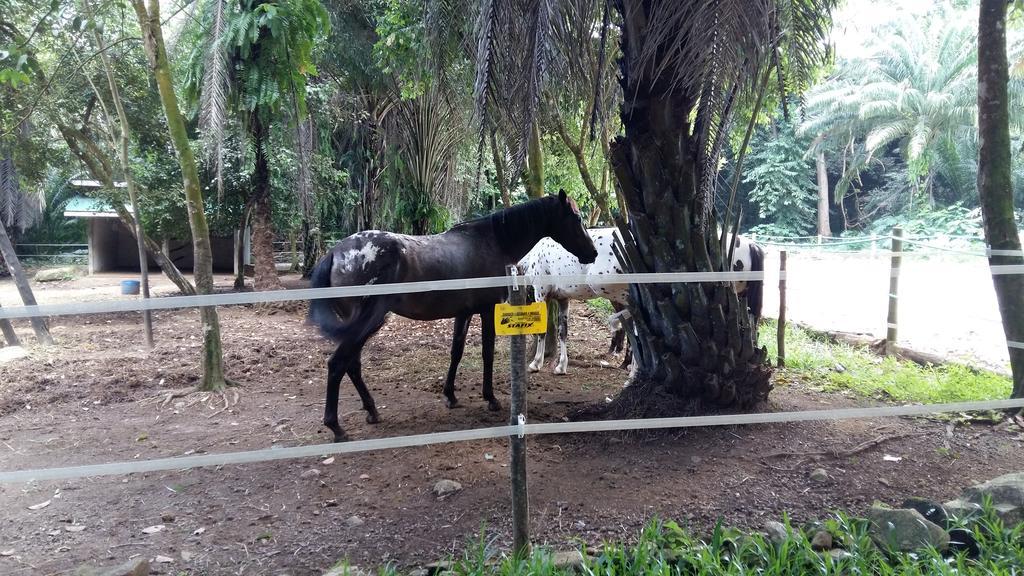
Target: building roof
[
  {"x": 82, "y": 183},
  {"x": 85, "y": 207}
]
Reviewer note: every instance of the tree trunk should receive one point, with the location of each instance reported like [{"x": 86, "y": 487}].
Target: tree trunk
[
  {"x": 243, "y": 223},
  {"x": 153, "y": 42},
  {"x": 499, "y": 173},
  {"x": 21, "y": 281},
  {"x": 123, "y": 141},
  {"x": 824, "y": 229},
  {"x": 694, "y": 345},
  {"x": 995, "y": 183},
  {"x": 8, "y": 330},
  {"x": 265, "y": 272},
  {"x": 534, "y": 164},
  {"x": 576, "y": 148}
]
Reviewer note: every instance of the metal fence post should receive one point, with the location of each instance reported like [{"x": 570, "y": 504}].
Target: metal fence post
[
  {"x": 781, "y": 336},
  {"x": 517, "y": 466},
  {"x": 894, "y": 282}
]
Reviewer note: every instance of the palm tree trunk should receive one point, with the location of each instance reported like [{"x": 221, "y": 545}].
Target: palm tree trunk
[
  {"x": 823, "y": 224},
  {"x": 156, "y": 53},
  {"x": 265, "y": 272},
  {"x": 694, "y": 345},
  {"x": 21, "y": 281},
  {"x": 995, "y": 183}
]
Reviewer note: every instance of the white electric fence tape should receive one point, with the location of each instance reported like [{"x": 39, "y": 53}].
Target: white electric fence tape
[
  {"x": 317, "y": 450},
  {"x": 199, "y": 301}
]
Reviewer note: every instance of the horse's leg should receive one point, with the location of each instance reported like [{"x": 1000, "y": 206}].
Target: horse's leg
[
  {"x": 461, "y": 327},
  {"x": 627, "y": 360},
  {"x": 487, "y": 351},
  {"x": 355, "y": 373},
  {"x": 618, "y": 336},
  {"x": 336, "y": 367},
  {"x": 366, "y": 321},
  {"x": 538, "y": 357},
  {"x": 563, "y": 335}
]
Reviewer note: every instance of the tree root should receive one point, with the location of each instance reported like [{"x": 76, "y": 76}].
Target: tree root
[
  {"x": 190, "y": 397},
  {"x": 835, "y": 454}
]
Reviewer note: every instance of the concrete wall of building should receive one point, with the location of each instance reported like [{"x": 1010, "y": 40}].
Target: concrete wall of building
[
  {"x": 112, "y": 247},
  {"x": 103, "y": 239}
]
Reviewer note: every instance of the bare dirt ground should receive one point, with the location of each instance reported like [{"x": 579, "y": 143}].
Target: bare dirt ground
[{"x": 97, "y": 396}]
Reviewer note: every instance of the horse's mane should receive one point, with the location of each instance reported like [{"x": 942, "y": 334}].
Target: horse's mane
[{"x": 512, "y": 225}]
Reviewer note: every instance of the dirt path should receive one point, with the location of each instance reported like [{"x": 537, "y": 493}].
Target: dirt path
[{"x": 89, "y": 400}]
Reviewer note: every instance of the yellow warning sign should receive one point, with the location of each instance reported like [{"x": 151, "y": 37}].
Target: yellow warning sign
[{"x": 510, "y": 320}]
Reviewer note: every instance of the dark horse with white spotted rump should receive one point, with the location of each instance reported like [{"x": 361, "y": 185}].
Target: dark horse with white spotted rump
[{"x": 478, "y": 248}]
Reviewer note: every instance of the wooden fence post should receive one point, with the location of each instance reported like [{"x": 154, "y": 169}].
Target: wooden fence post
[
  {"x": 894, "y": 282},
  {"x": 517, "y": 466},
  {"x": 782, "y": 311}
]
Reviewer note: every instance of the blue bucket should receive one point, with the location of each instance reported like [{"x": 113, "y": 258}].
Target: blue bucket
[{"x": 129, "y": 286}]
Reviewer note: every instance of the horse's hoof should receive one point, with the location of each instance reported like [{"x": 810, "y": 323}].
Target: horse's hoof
[
  {"x": 341, "y": 437},
  {"x": 452, "y": 403},
  {"x": 372, "y": 417},
  {"x": 559, "y": 371},
  {"x": 493, "y": 405},
  {"x": 533, "y": 368}
]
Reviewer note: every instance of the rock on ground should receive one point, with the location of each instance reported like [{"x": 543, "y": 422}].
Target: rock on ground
[
  {"x": 137, "y": 567},
  {"x": 55, "y": 274},
  {"x": 446, "y": 487},
  {"x": 8, "y": 353},
  {"x": 905, "y": 530},
  {"x": 1006, "y": 492},
  {"x": 776, "y": 532}
]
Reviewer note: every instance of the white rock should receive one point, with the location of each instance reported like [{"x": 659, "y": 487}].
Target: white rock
[{"x": 445, "y": 487}]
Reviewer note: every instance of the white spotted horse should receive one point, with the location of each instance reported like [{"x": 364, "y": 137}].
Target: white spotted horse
[
  {"x": 483, "y": 247},
  {"x": 547, "y": 258}
]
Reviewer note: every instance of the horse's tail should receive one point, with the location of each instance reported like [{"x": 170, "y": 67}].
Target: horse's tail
[
  {"x": 755, "y": 289},
  {"x": 321, "y": 310}
]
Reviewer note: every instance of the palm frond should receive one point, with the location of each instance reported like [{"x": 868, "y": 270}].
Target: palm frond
[
  {"x": 10, "y": 191},
  {"x": 213, "y": 103}
]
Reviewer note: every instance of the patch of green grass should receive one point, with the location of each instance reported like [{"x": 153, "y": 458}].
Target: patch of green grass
[
  {"x": 844, "y": 367},
  {"x": 601, "y": 305}
]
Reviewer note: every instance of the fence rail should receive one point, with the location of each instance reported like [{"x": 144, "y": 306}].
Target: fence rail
[{"x": 513, "y": 431}]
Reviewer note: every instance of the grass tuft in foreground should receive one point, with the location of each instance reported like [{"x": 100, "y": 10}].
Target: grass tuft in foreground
[{"x": 665, "y": 548}]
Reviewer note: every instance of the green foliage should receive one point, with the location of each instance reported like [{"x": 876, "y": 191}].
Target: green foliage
[
  {"x": 843, "y": 367},
  {"x": 269, "y": 47},
  {"x": 601, "y": 305},
  {"x": 664, "y": 548},
  {"x": 955, "y": 220},
  {"x": 784, "y": 189},
  {"x": 914, "y": 95},
  {"x": 53, "y": 227}
]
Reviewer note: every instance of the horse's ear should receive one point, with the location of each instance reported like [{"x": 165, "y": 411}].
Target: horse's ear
[{"x": 562, "y": 197}]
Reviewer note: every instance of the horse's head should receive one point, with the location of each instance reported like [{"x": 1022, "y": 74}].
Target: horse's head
[{"x": 566, "y": 228}]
